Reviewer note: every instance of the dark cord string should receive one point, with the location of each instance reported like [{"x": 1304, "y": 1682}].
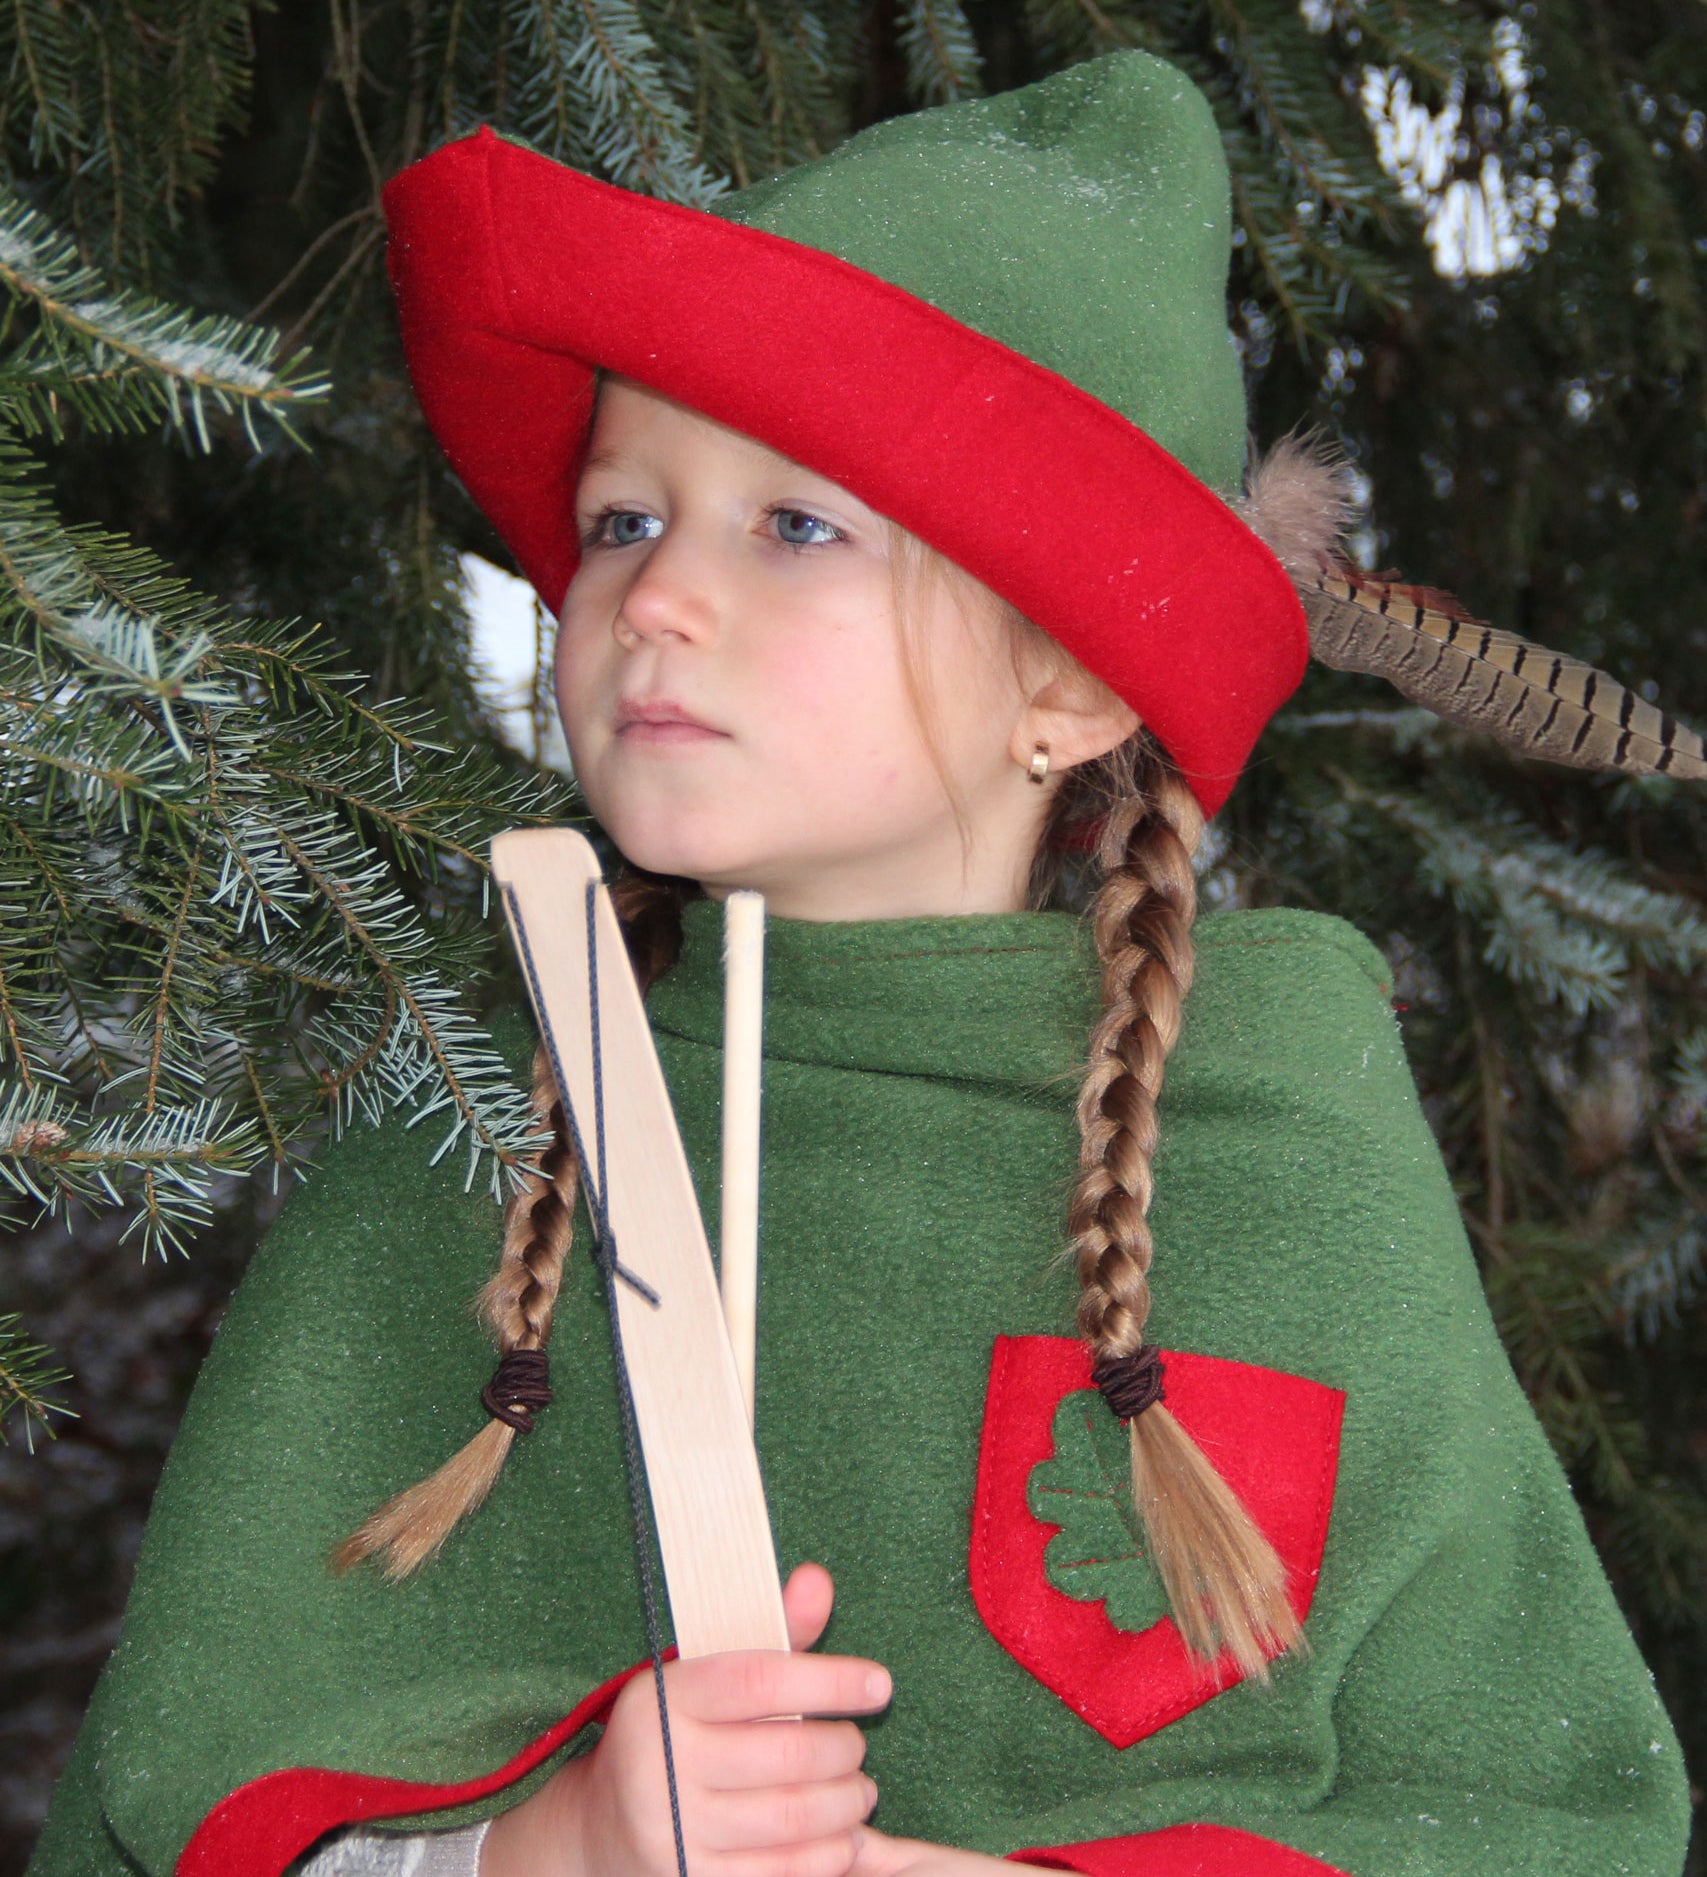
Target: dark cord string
[
  {"x": 625, "y": 1395},
  {"x": 605, "y": 1256},
  {"x": 602, "y": 1235}
]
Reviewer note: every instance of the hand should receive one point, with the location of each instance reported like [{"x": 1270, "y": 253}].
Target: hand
[
  {"x": 760, "y": 1796},
  {"x": 883, "y": 1856}
]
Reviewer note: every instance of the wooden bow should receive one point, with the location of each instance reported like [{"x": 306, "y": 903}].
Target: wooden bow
[{"x": 702, "y": 1470}]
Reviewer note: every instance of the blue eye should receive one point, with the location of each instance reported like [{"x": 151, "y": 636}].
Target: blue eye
[
  {"x": 628, "y": 527},
  {"x": 789, "y": 519},
  {"x": 620, "y": 528},
  {"x": 625, "y": 526}
]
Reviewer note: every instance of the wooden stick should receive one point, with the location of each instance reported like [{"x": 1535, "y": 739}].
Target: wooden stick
[{"x": 743, "y": 1049}]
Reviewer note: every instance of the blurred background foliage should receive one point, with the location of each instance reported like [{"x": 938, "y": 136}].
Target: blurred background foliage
[{"x": 1471, "y": 241}]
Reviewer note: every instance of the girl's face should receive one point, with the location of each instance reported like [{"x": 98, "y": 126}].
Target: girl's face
[{"x": 732, "y": 683}]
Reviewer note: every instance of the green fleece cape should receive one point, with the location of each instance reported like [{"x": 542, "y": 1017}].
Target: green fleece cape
[{"x": 1471, "y": 1704}]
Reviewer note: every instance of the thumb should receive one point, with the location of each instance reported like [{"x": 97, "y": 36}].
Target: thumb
[
  {"x": 807, "y": 1599},
  {"x": 879, "y": 1855}
]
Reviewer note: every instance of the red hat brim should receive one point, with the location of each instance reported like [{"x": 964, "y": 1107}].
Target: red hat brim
[{"x": 517, "y": 276}]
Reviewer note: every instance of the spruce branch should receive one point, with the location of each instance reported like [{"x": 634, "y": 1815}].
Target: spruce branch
[
  {"x": 1655, "y": 1272},
  {"x": 38, "y": 54},
  {"x": 1554, "y": 1308},
  {"x": 217, "y": 858},
  {"x": 641, "y": 136},
  {"x": 745, "y": 130},
  {"x": 1070, "y": 30},
  {"x": 53, "y": 1151},
  {"x": 796, "y": 58},
  {"x": 1432, "y": 42},
  {"x": 1689, "y": 1072},
  {"x": 28, "y": 1377},
  {"x": 596, "y": 92},
  {"x": 1288, "y": 100},
  {"x": 943, "y": 61},
  {"x": 122, "y": 360},
  {"x": 424, "y": 1036},
  {"x": 1568, "y": 923}
]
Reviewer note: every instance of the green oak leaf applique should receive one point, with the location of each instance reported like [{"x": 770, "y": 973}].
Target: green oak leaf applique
[{"x": 1085, "y": 1487}]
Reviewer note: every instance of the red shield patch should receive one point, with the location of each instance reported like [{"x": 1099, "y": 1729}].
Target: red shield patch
[{"x": 1274, "y": 1438}]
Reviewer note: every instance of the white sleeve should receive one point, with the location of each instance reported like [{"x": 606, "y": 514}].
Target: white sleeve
[{"x": 373, "y": 1854}]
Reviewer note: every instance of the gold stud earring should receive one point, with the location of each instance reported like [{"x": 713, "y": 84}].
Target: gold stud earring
[{"x": 1039, "y": 764}]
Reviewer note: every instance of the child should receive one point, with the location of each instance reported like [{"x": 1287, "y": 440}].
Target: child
[{"x": 1354, "y": 1624}]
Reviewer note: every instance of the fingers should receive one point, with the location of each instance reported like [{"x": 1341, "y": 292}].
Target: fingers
[
  {"x": 876, "y": 1854},
  {"x": 826, "y": 1857},
  {"x": 778, "y": 1816},
  {"x": 761, "y": 1684},
  {"x": 807, "y": 1599},
  {"x": 780, "y": 1753},
  {"x": 761, "y": 1796}
]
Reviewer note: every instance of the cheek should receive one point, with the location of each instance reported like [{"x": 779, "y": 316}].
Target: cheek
[
  {"x": 852, "y": 742},
  {"x": 578, "y": 673},
  {"x": 839, "y": 690},
  {"x": 977, "y": 691}
]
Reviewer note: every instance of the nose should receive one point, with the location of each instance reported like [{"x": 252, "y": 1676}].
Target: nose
[{"x": 670, "y": 597}]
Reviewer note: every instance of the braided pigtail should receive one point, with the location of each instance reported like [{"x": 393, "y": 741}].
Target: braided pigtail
[
  {"x": 1224, "y": 1581},
  {"x": 518, "y": 1299}
]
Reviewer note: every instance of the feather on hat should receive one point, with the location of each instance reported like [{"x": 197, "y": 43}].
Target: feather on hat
[{"x": 1535, "y": 702}]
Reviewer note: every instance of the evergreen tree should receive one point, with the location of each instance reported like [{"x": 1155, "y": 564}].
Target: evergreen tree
[
  {"x": 1470, "y": 240},
  {"x": 207, "y": 938}
]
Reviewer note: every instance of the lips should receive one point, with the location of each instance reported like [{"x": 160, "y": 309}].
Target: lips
[{"x": 659, "y": 720}]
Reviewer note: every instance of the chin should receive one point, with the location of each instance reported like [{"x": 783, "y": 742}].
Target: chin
[{"x": 682, "y": 852}]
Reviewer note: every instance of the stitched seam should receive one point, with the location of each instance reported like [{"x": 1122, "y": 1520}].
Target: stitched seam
[
  {"x": 1327, "y": 1483},
  {"x": 967, "y": 951},
  {"x": 1072, "y": 1492},
  {"x": 1076, "y": 1493},
  {"x": 775, "y": 1053}
]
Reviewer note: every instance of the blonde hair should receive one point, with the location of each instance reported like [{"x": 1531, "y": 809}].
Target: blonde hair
[
  {"x": 1142, "y": 825},
  {"x": 1225, "y": 1583}
]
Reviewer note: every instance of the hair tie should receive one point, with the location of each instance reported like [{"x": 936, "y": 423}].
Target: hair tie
[
  {"x": 521, "y": 1384},
  {"x": 1130, "y": 1384}
]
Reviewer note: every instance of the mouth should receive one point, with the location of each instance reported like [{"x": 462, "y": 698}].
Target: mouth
[{"x": 659, "y": 721}]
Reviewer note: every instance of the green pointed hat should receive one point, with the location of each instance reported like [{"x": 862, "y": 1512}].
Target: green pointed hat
[{"x": 1082, "y": 221}]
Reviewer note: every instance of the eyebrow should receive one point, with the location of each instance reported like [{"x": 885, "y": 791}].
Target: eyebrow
[{"x": 620, "y": 460}]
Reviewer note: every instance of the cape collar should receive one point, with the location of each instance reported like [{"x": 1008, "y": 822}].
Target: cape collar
[{"x": 1004, "y": 998}]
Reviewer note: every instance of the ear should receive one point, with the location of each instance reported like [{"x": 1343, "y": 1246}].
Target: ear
[{"x": 1076, "y": 717}]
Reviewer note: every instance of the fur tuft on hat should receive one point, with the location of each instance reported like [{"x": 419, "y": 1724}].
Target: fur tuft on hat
[{"x": 1298, "y": 501}]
